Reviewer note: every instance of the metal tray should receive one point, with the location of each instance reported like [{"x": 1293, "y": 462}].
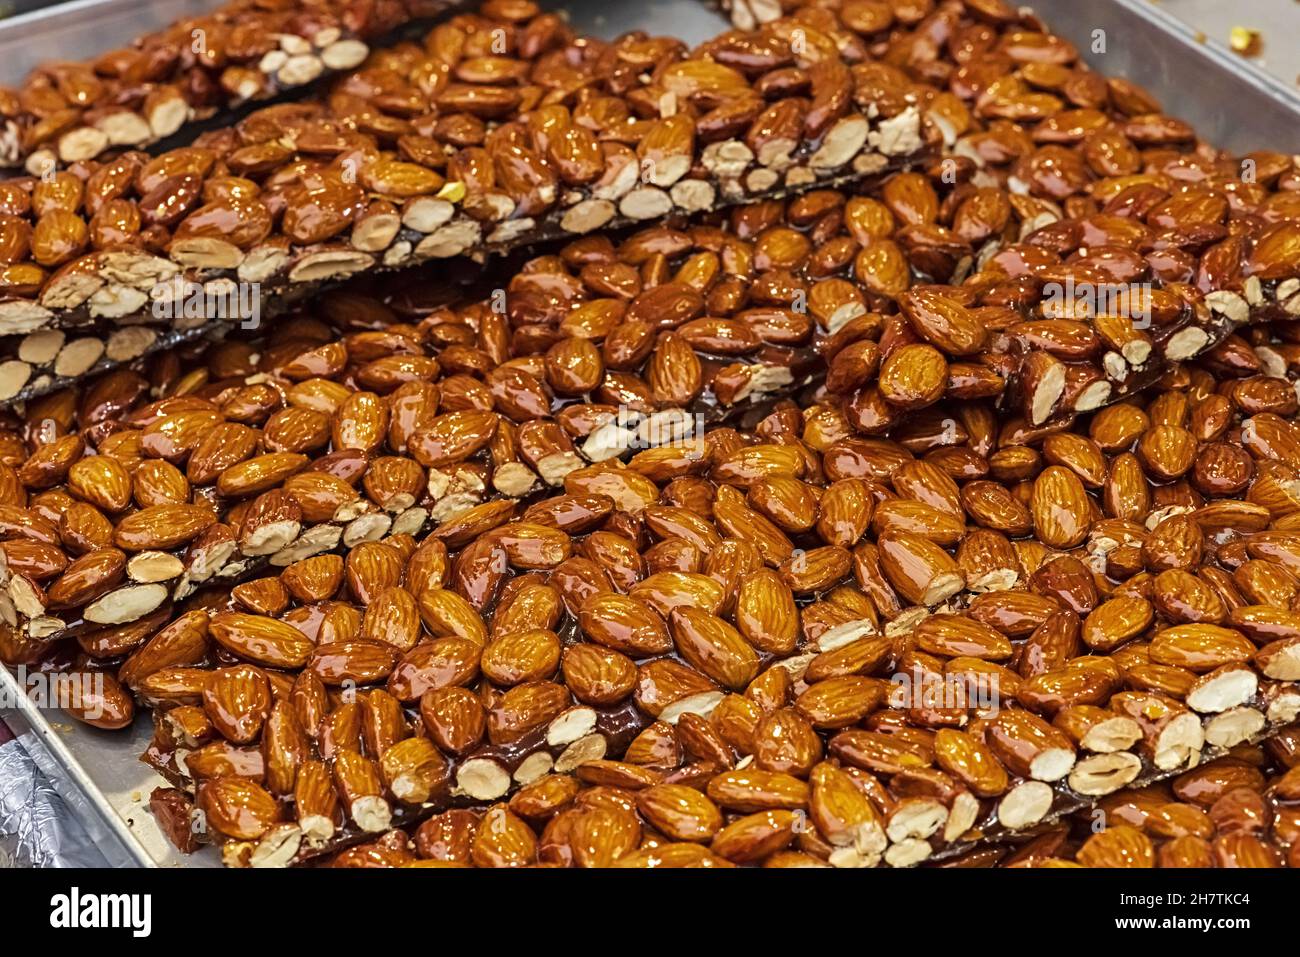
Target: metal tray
[
  {"x": 1276, "y": 21},
  {"x": 100, "y": 778},
  {"x": 1231, "y": 101},
  {"x": 83, "y": 29}
]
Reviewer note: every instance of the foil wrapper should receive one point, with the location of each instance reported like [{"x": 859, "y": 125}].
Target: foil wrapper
[{"x": 36, "y": 827}]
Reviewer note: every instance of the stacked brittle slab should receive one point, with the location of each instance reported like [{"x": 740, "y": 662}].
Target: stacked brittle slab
[
  {"x": 250, "y": 50},
  {"x": 502, "y": 128}
]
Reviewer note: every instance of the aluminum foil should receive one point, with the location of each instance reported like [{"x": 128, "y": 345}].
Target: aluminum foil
[{"x": 36, "y": 827}]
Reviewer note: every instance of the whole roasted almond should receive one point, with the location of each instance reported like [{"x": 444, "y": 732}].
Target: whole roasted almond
[
  {"x": 1116, "y": 621},
  {"x": 521, "y": 656},
  {"x": 1200, "y": 647},
  {"x": 844, "y": 512},
  {"x": 503, "y": 840},
  {"x": 624, "y": 624},
  {"x": 445, "y": 613},
  {"x": 356, "y": 662},
  {"x": 790, "y": 502},
  {"x": 765, "y": 613},
  {"x": 86, "y": 578},
  {"x": 840, "y": 702},
  {"x": 440, "y": 663},
  {"x": 314, "y": 579},
  {"x": 261, "y": 639},
  {"x": 954, "y": 636},
  {"x": 161, "y": 527},
  {"x": 598, "y": 676},
  {"x": 454, "y": 718},
  {"x": 665, "y": 591},
  {"x": 1119, "y": 846},
  {"x": 1028, "y": 746},
  {"x": 371, "y": 567},
  {"x": 713, "y": 646},
  {"x": 913, "y": 376},
  {"x": 971, "y": 761},
  {"x": 681, "y": 813},
  {"x": 285, "y": 746},
  {"x": 237, "y": 701},
  {"x": 1060, "y": 508},
  {"x": 102, "y": 481},
  {"x": 755, "y": 836},
  {"x": 182, "y": 642},
  {"x": 392, "y": 617},
  {"x": 784, "y": 741},
  {"x": 98, "y": 700},
  {"x": 452, "y": 437},
  {"x": 237, "y": 808},
  {"x": 943, "y": 322},
  {"x": 921, "y": 571}
]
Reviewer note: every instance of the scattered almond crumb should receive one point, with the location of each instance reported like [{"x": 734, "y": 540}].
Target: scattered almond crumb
[{"x": 1246, "y": 41}]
